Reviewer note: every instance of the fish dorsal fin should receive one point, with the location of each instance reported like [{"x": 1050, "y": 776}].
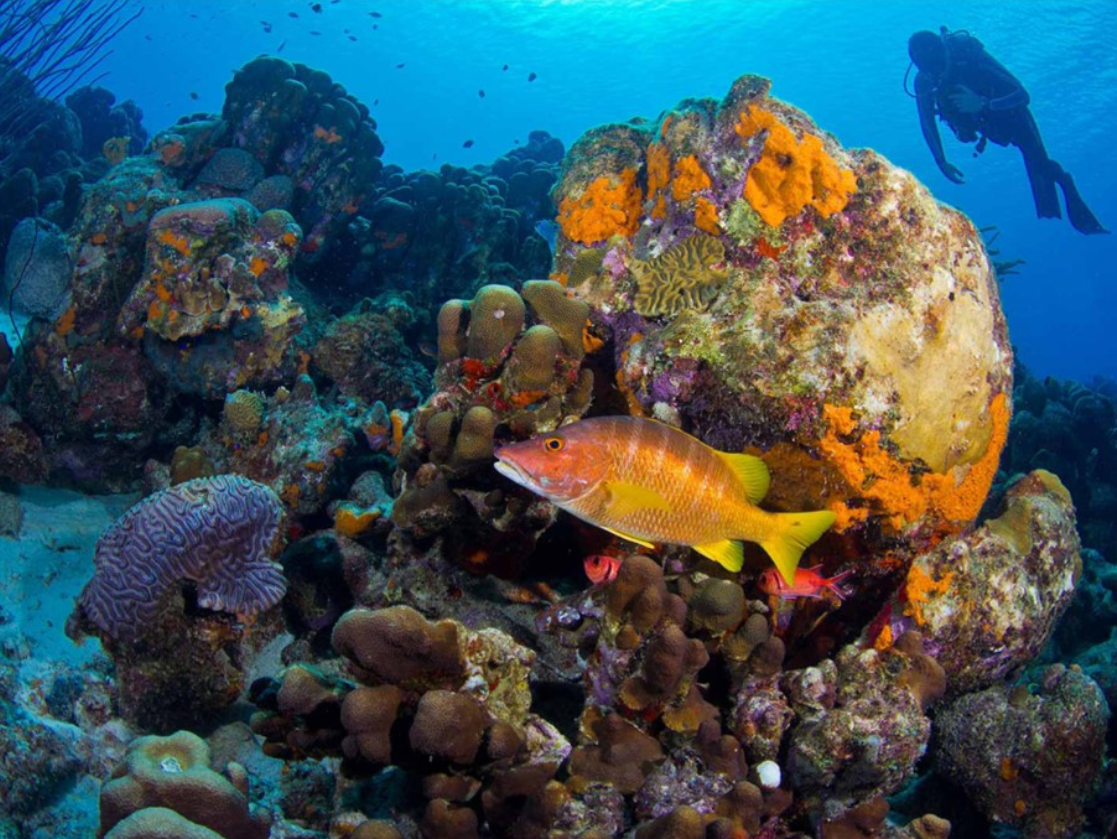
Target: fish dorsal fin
[
  {"x": 752, "y": 472},
  {"x": 626, "y": 499},
  {"x": 621, "y": 535},
  {"x": 725, "y": 553}
]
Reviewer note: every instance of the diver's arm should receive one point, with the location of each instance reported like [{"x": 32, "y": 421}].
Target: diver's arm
[
  {"x": 1017, "y": 99},
  {"x": 924, "y": 100},
  {"x": 999, "y": 78}
]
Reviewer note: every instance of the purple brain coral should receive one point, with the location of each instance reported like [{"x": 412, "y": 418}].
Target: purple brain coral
[{"x": 220, "y": 533}]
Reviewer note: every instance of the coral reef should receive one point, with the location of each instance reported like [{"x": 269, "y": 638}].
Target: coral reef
[
  {"x": 235, "y": 319},
  {"x": 442, "y": 234}
]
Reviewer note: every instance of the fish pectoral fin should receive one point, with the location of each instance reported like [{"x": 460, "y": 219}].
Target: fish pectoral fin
[
  {"x": 626, "y": 499},
  {"x": 630, "y": 538},
  {"x": 731, "y": 555},
  {"x": 752, "y": 472},
  {"x": 795, "y": 532}
]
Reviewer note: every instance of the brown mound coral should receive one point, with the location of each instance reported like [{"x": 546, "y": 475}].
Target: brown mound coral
[
  {"x": 532, "y": 366},
  {"x": 496, "y": 317},
  {"x": 550, "y": 305},
  {"x": 174, "y": 773},
  {"x": 399, "y": 646},
  {"x": 688, "y": 275}
]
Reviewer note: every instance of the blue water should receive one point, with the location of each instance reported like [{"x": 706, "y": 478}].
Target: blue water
[{"x": 597, "y": 61}]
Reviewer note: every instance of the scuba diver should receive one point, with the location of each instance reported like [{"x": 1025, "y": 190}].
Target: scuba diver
[{"x": 981, "y": 101}]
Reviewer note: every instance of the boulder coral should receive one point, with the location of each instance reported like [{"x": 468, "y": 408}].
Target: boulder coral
[
  {"x": 367, "y": 354},
  {"x": 211, "y": 306},
  {"x": 986, "y": 602},
  {"x": 1028, "y": 759},
  {"x": 298, "y": 122},
  {"x": 37, "y": 269},
  {"x": 847, "y": 327}
]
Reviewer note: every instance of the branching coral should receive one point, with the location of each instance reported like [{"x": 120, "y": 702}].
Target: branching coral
[{"x": 791, "y": 173}]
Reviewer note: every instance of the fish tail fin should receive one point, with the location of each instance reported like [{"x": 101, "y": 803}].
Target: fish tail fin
[
  {"x": 795, "y": 532},
  {"x": 835, "y": 584}
]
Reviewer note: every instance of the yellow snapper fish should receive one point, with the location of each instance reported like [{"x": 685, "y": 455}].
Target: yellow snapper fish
[{"x": 648, "y": 482}]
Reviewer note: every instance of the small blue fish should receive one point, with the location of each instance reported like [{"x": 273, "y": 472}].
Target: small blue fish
[{"x": 548, "y": 230}]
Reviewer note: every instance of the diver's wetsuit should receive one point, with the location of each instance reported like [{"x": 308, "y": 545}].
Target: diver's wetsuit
[{"x": 1004, "y": 120}]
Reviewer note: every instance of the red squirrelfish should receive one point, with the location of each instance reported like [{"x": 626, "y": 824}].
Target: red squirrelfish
[
  {"x": 601, "y": 568},
  {"x": 648, "y": 482},
  {"x": 808, "y": 583}
]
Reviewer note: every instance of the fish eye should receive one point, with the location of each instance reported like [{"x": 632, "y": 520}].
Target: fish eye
[{"x": 554, "y": 444}]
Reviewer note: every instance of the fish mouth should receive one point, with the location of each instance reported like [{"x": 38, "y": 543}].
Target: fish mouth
[{"x": 515, "y": 473}]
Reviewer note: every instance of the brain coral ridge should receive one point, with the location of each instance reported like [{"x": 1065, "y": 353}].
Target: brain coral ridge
[
  {"x": 688, "y": 275},
  {"x": 221, "y": 533}
]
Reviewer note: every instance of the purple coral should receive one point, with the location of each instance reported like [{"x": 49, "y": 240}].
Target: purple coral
[{"x": 221, "y": 533}]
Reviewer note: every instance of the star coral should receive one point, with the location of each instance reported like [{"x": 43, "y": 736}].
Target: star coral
[
  {"x": 791, "y": 173},
  {"x": 607, "y": 207}
]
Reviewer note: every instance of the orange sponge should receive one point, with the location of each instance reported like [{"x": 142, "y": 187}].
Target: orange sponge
[
  {"x": 790, "y": 173},
  {"x": 689, "y": 178},
  {"x": 607, "y": 207}
]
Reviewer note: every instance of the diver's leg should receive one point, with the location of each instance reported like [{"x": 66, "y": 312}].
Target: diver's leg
[
  {"x": 1080, "y": 216},
  {"x": 1026, "y": 137}
]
